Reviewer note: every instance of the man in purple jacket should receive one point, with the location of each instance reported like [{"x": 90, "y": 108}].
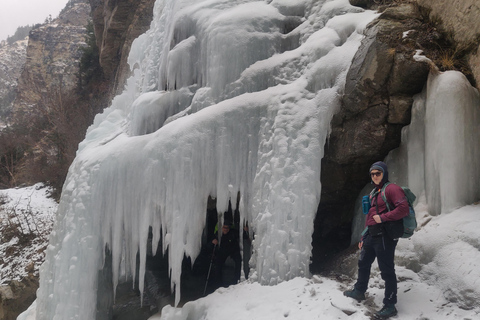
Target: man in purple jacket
[{"x": 376, "y": 243}]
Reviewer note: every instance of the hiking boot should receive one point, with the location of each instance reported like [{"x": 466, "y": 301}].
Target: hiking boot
[
  {"x": 355, "y": 294},
  {"x": 386, "y": 312}
]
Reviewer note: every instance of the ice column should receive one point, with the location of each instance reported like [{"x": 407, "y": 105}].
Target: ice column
[{"x": 441, "y": 145}]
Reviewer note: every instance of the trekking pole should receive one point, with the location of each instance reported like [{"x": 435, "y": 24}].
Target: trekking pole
[{"x": 209, "y": 270}]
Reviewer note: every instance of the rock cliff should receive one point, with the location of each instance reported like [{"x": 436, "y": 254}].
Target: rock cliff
[
  {"x": 117, "y": 24},
  {"x": 12, "y": 59},
  {"x": 53, "y": 56}
]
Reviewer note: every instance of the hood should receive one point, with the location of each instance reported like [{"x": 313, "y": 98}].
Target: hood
[{"x": 382, "y": 166}]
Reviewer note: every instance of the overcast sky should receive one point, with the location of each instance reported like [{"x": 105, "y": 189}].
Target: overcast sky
[{"x": 15, "y": 13}]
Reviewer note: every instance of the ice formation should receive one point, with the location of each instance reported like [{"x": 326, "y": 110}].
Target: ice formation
[
  {"x": 228, "y": 97},
  {"x": 441, "y": 145},
  {"x": 439, "y": 153}
]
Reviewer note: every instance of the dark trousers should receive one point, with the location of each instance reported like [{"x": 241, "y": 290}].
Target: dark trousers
[
  {"x": 382, "y": 248},
  {"x": 221, "y": 257}
]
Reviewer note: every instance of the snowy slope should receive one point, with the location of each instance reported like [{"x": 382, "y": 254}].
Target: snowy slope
[
  {"x": 26, "y": 219},
  {"x": 451, "y": 239},
  {"x": 444, "y": 289}
]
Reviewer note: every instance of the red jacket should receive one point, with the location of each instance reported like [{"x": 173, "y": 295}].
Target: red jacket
[{"x": 398, "y": 204}]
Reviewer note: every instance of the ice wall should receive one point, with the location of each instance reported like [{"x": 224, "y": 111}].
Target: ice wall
[
  {"x": 227, "y": 96},
  {"x": 440, "y": 149}
]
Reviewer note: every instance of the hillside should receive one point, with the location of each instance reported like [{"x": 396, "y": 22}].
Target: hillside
[{"x": 12, "y": 60}]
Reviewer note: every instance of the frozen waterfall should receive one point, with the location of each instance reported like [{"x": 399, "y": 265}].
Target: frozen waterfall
[
  {"x": 228, "y": 97},
  {"x": 440, "y": 148}
]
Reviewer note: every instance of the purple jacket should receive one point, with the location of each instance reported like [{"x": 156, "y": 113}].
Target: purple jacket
[{"x": 396, "y": 199}]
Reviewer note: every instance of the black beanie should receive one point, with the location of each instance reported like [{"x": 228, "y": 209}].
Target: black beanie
[{"x": 382, "y": 166}]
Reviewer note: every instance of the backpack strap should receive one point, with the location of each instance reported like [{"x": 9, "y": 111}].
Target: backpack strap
[
  {"x": 384, "y": 197},
  {"x": 372, "y": 195}
]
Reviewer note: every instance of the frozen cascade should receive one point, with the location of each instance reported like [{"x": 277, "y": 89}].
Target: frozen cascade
[
  {"x": 246, "y": 111},
  {"x": 441, "y": 145}
]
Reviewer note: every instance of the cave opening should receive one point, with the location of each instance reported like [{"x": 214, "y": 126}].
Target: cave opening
[{"x": 196, "y": 281}]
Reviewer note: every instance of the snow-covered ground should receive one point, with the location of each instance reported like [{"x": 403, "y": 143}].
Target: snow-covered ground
[
  {"x": 445, "y": 284},
  {"x": 26, "y": 218},
  {"x": 438, "y": 271},
  {"x": 319, "y": 298}
]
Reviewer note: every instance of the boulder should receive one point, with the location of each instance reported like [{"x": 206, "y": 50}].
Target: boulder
[{"x": 17, "y": 296}]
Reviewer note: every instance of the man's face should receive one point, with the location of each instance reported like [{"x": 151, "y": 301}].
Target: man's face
[
  {"x": 225, "y": 229},
  {"x": 377, "y": 176}
]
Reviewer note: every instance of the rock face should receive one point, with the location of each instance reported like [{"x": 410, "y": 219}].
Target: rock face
[
  {"x": 117, "y": 23},
  {"x": 53, "y": 56},
  {"x": 12, "y": 59},
  {"x": 460, "y": 17},
  {"x": 378, "y": 97}
]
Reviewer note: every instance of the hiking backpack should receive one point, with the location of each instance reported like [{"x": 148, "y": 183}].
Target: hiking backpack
[{"x": 410, "y": 221}]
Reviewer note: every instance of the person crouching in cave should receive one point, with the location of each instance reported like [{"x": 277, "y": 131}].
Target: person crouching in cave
[
  {"x": 228, "y": 246},
  {"x": 377, "y": 243}
]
